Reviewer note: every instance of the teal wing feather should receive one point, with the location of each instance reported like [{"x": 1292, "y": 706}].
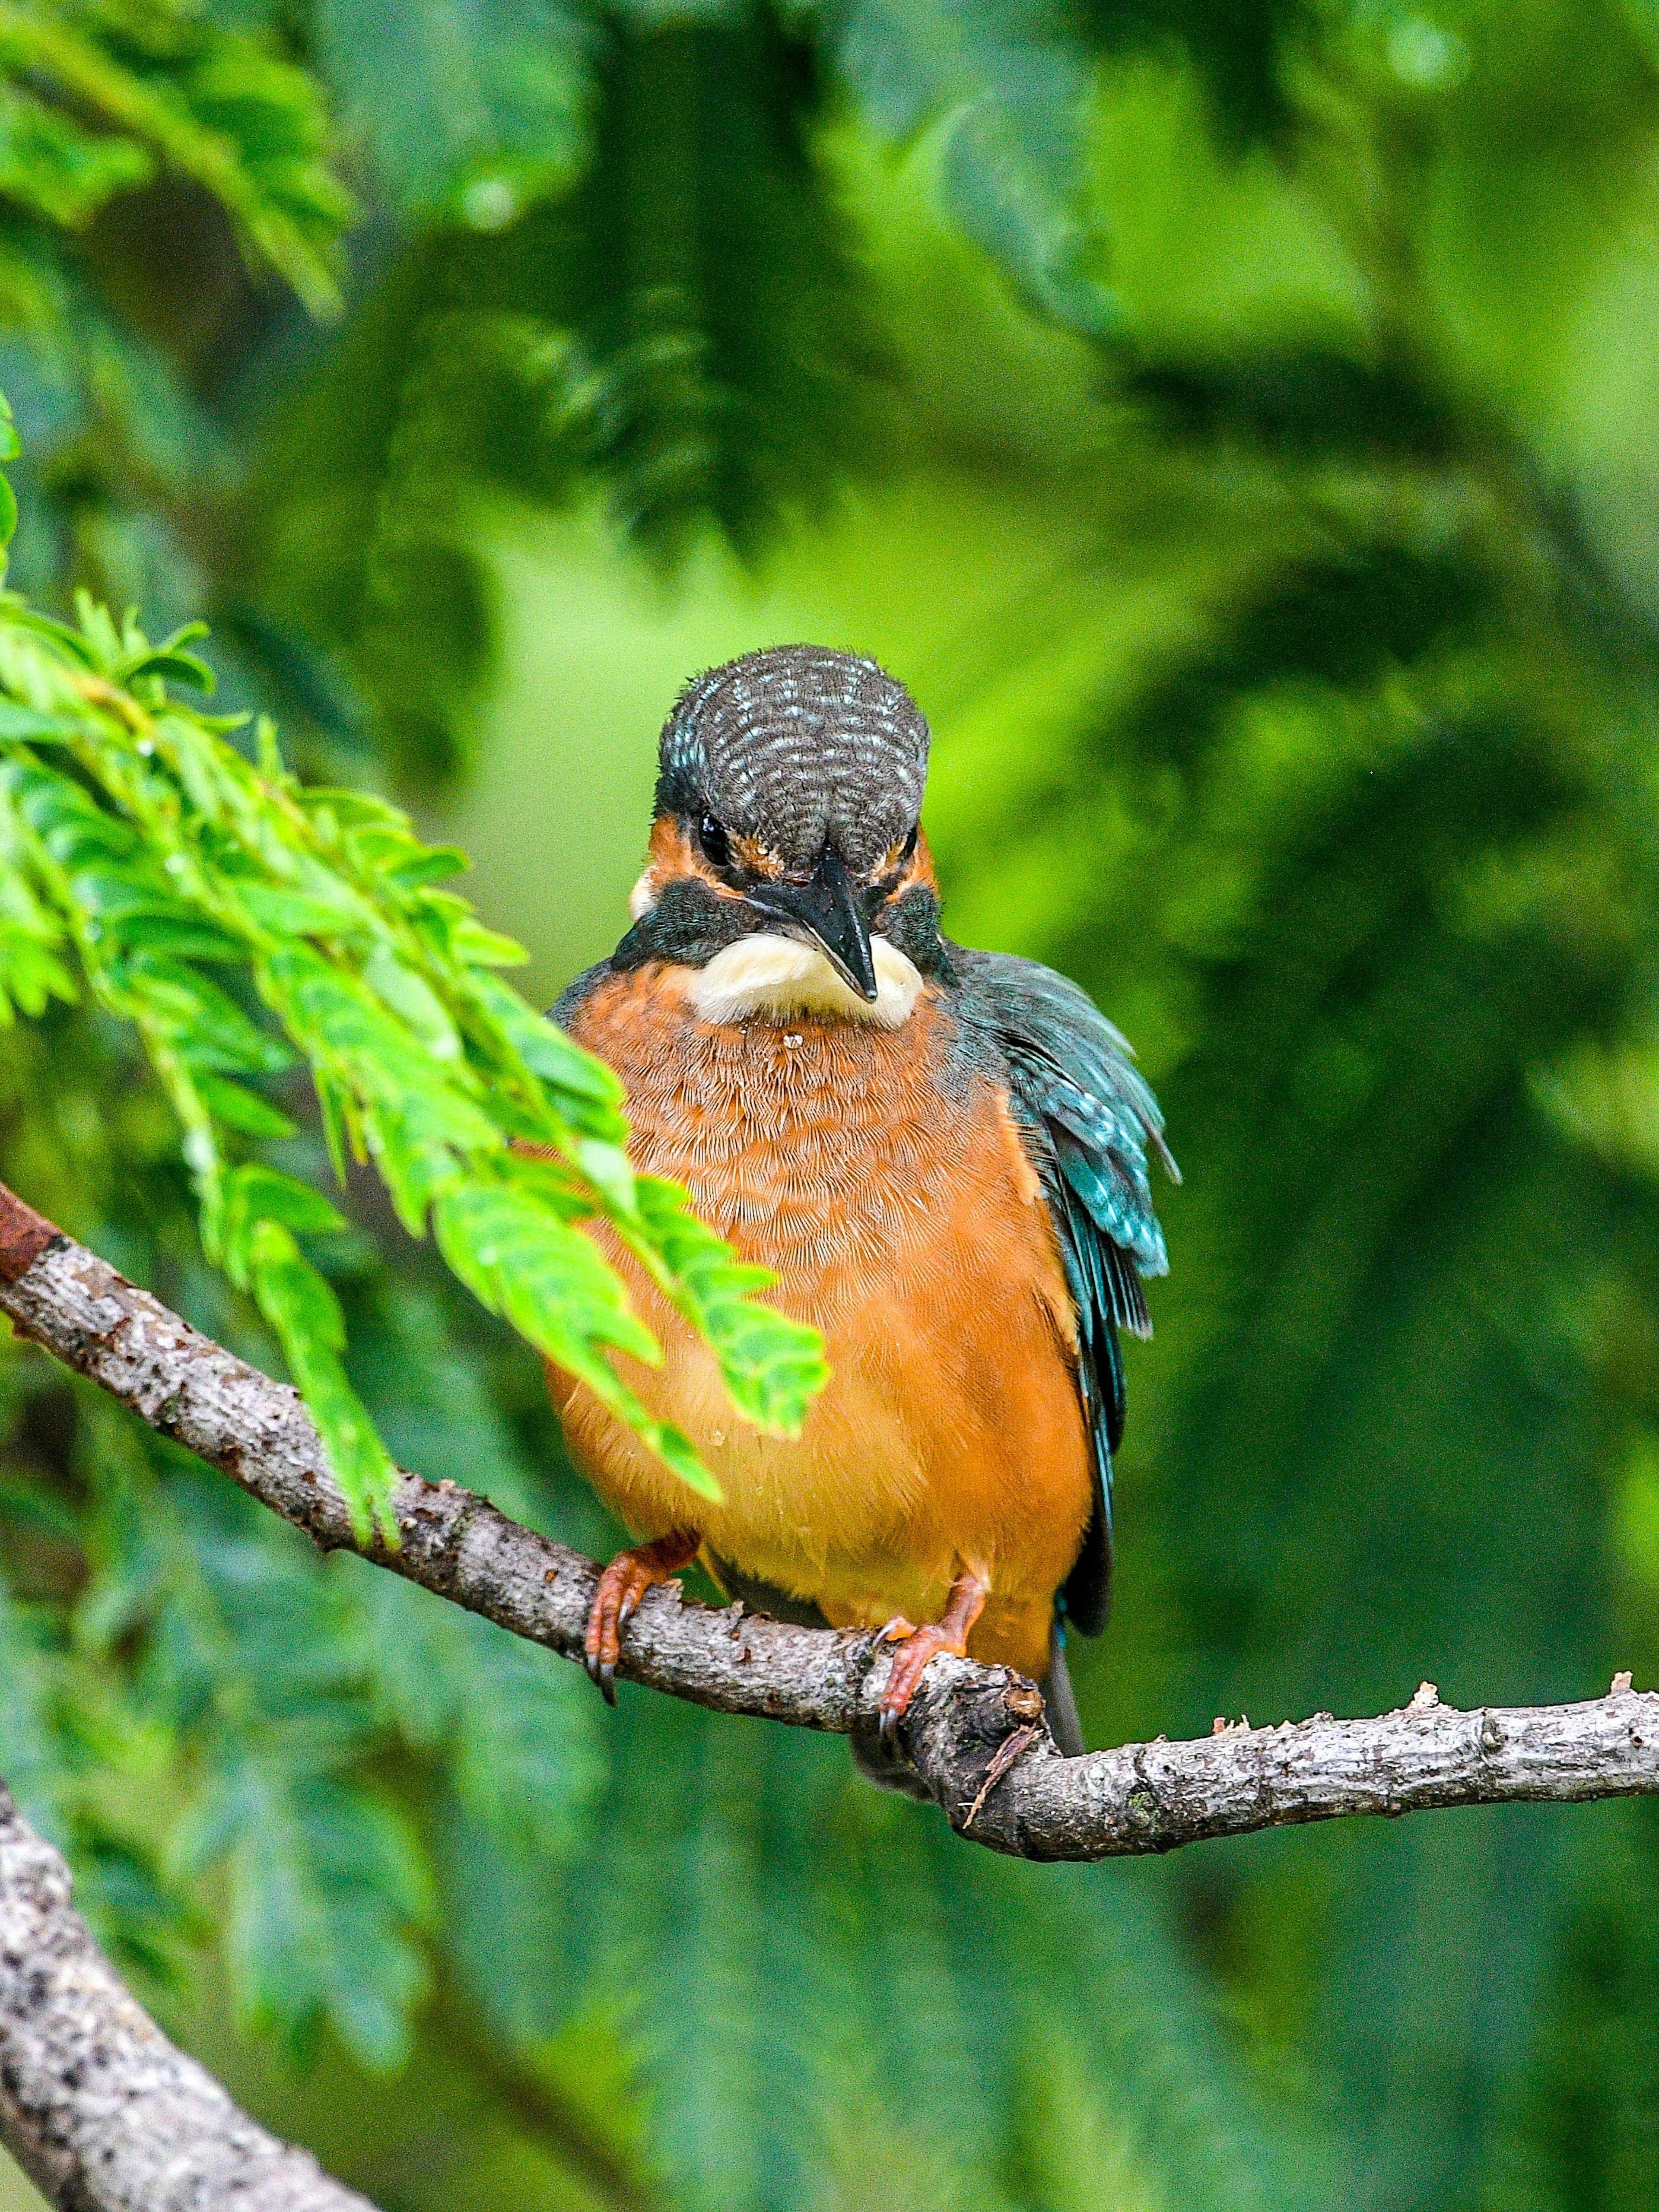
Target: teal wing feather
[{"x": 1088, "y": 1119}]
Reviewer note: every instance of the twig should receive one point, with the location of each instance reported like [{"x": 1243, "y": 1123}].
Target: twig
[
  {"x": 95, "y": 2103},
  {"x": 1013, "y": 1748},
  {"x": 1145, "y": 1797}
]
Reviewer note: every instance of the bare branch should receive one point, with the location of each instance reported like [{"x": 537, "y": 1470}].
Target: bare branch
[
  {"x": 1020, "y": 1797},
  {"x": 95, "y": 2103}
]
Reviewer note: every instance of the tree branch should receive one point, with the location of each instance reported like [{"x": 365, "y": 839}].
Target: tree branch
[
  {"x": 97, "y": 2106},
  {"x": 975, "y": 1739}
]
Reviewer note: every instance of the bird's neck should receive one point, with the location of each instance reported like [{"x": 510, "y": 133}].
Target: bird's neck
[{"x": 773, "y": 979}]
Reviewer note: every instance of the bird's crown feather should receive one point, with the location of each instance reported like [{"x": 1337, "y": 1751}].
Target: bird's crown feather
[{"x": 798, "y": 747}]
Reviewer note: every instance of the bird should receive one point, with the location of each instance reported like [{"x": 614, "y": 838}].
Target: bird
[{"x": 940, "y": 1154}]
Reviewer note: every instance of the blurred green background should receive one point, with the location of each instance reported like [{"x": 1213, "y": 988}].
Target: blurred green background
[{"x": 1239, "y": 424}]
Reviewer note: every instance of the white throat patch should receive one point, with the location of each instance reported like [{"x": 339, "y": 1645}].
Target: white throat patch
[{"x": 777, "y": 976}]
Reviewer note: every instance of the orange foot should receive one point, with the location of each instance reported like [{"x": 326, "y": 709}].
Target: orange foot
[
  {"x": 967, "y": 1601},
  {"x": 621, "y": 1586}
]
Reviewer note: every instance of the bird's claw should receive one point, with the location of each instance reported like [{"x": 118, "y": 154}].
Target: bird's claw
[
  {"x": 897, "y": 1630},
  {"x": 602, "y": 1649},
  {"x": 616, "y": 1599},
  {"x": 615, "y": 1604},
  {"x": 922, "y": 1647}
]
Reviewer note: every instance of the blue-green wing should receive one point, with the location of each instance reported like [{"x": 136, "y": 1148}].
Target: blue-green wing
[{"x": 1089, "y": 1120}]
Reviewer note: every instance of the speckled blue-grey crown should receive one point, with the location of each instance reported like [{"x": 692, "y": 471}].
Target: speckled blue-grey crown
[{"x": 800, "y": 748}]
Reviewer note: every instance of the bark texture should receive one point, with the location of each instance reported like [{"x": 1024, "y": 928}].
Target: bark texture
[
  {"x": 974, "y": 1740},
  {"x": 97, "y": 2106}
]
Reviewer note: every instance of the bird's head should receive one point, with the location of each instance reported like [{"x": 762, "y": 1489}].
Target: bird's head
[{"x": 788, "y": 863}]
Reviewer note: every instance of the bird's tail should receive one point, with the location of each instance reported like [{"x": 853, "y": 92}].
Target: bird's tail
[{"x": 1064, "y": 1723}]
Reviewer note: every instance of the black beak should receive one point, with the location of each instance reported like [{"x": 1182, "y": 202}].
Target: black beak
[{"x": 826, "y": 911}]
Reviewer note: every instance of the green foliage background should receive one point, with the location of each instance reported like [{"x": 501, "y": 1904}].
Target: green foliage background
[{"x": 1240, "y": 425}]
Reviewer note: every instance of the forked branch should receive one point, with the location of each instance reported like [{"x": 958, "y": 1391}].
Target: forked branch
[{"x": 974, "y": 1735}]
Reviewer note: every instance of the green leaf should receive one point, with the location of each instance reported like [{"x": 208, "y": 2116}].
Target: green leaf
[
  {"x": 1006, "y": 83},
  {"x": 328, "y": 1887},
  {"x": 70, "y": 642},
  {"x": 485, "y": 948},
  {"x": 305, "y": 1315},
  {"x": 31, "y": 940},
  {"x": 181, "y": 667},
  {"x": 203, "y": 1022},
  {"x": 774, "y": 1367},
  {"x": 608, "y": 1168},
  {"x": 30, "y": 723},
  {"x": 156, "y": 846},
  {"x": 242, "y": 1109},
  {"x": 289, "y": 913},
  {"x": 208, "y": 101},
  {"x": 582, "y": 1083},
  {"x": 158, "y": 933},
  {"x": 343, "y": 1026},
  {"x": 412, "y": 996},
  {"x": 59, "y": 171},
  {"x": 512, "y": 1724},
  {"x": 548, "y": 1279},
  {"x": 31, "y": 973},
  {"x": 525, "y": 1760},
  {"x": 433, "y": 863},
  {"x": 254, "y": 1194}
]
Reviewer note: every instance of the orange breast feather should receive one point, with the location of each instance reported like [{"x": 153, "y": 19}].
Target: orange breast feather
[{"x": 892, "y": 1199}]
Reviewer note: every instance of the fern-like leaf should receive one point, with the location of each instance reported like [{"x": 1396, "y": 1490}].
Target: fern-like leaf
[{"x": 149, "y": 846}]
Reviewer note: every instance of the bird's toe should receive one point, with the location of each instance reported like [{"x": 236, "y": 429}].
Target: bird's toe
[
  {"x": 922, "y": 1647},
  {"x": 614, "y": 1602},
  {"x": 616, "y": 1599},
  {"x": 898, "y": 1630}
]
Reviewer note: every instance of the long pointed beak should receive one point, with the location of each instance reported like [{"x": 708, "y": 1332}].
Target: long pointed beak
[{"x": 827, "y": 911}]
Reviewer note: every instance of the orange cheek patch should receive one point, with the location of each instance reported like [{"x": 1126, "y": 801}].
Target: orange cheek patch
[
  {"x": 921, "y": 866},
  {"x": 670, "y": 849},
  {"x": 918, "y": 870},
  {"x": 672, "y": 857}
]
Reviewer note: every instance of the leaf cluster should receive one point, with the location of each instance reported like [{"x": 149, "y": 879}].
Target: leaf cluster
[
  {"x": 100, "y": 97},
  {"x": 144, "y": 849}
]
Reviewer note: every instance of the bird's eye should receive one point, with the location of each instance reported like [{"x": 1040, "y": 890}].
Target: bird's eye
[{"x": 716, "y": 845}]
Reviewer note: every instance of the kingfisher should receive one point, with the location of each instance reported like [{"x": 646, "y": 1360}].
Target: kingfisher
[{"x": 940, "y": 1154}]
